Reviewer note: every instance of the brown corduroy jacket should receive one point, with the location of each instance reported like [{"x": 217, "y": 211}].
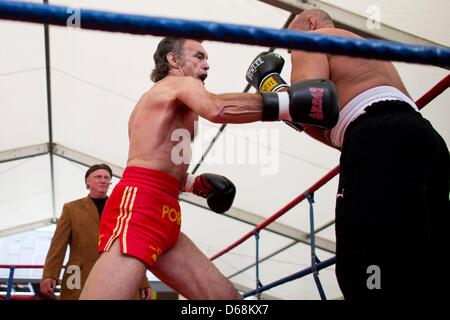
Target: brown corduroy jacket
[{"x": 77, "y": 227}]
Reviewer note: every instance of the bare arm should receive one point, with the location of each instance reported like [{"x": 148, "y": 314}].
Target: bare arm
[
  {"x": 311, "y": 65},
  {"x": 220, "y": 108}
]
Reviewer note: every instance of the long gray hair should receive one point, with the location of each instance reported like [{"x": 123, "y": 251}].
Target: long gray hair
[{"x": 162, "y": 66}]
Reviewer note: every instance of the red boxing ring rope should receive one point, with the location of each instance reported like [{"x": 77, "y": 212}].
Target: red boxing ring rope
[
  {"x": 21, "y": 266},
  {"x": 437, "y": 89}
]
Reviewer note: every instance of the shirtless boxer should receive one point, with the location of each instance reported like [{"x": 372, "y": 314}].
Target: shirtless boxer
[
  {"x": 140, "y": 226},
  {"x": 393, "y": 196}
]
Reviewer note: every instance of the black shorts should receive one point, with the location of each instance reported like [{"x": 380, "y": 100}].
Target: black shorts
[{"x": 392, "y": 217}]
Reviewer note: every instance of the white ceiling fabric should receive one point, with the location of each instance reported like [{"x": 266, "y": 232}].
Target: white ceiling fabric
[{"x": 427, "y": 19}]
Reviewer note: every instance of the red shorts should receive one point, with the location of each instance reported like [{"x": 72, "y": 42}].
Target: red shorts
[{"x": 143, "y": 213}]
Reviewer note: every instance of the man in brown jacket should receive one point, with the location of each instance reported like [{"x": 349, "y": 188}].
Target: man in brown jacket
[{"x": 78, "y": 226}]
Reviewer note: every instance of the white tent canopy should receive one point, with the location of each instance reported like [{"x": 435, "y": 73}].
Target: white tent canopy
[{"x": 97, "y": 77}]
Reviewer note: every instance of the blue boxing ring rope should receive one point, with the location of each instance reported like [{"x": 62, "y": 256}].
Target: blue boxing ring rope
[{"x": 244, "y": 34}]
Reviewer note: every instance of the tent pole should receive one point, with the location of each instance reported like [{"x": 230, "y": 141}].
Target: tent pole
[{"x": 49, "y": 114}]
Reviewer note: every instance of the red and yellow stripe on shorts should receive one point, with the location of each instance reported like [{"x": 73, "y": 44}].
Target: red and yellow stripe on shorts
[{"x": 126, "y": 211}]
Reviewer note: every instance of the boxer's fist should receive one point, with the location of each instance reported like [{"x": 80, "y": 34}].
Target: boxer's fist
[
  {"x": 264, "y": 75},
  {"x": 264, "y": 72},
  {"x": 218, "y": 190}
]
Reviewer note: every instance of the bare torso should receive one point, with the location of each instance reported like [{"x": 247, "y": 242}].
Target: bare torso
[
  {"x": 351, "y": 76},
  {"x": 154, "y": 119}
]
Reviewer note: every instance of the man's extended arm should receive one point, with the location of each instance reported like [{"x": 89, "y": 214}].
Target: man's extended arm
[
  {"x": 301, "y": 103},
  {"x": 219, "y": 108}
]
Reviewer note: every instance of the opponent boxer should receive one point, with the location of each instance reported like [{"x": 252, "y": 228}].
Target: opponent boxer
[{"x": 393, "y": 196}]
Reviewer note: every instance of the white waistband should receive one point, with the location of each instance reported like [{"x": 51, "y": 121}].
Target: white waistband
[{"x": 357, "y": 106}]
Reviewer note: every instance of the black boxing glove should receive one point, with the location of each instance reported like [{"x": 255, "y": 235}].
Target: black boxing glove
[
  {"x": 312, "y": 102},
  {"x": 264, "y": 75},
  {"x": 264, "y": 72},
  {"x": 218, "y": 190}
]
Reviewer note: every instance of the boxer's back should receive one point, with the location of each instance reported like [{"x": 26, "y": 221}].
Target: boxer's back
[
  {"x": 353, "y": 76},
  {"x": 153, "y": 121}
]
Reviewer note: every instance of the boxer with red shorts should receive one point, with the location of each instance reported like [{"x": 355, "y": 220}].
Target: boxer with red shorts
[{"x": 140, "y": 228}]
